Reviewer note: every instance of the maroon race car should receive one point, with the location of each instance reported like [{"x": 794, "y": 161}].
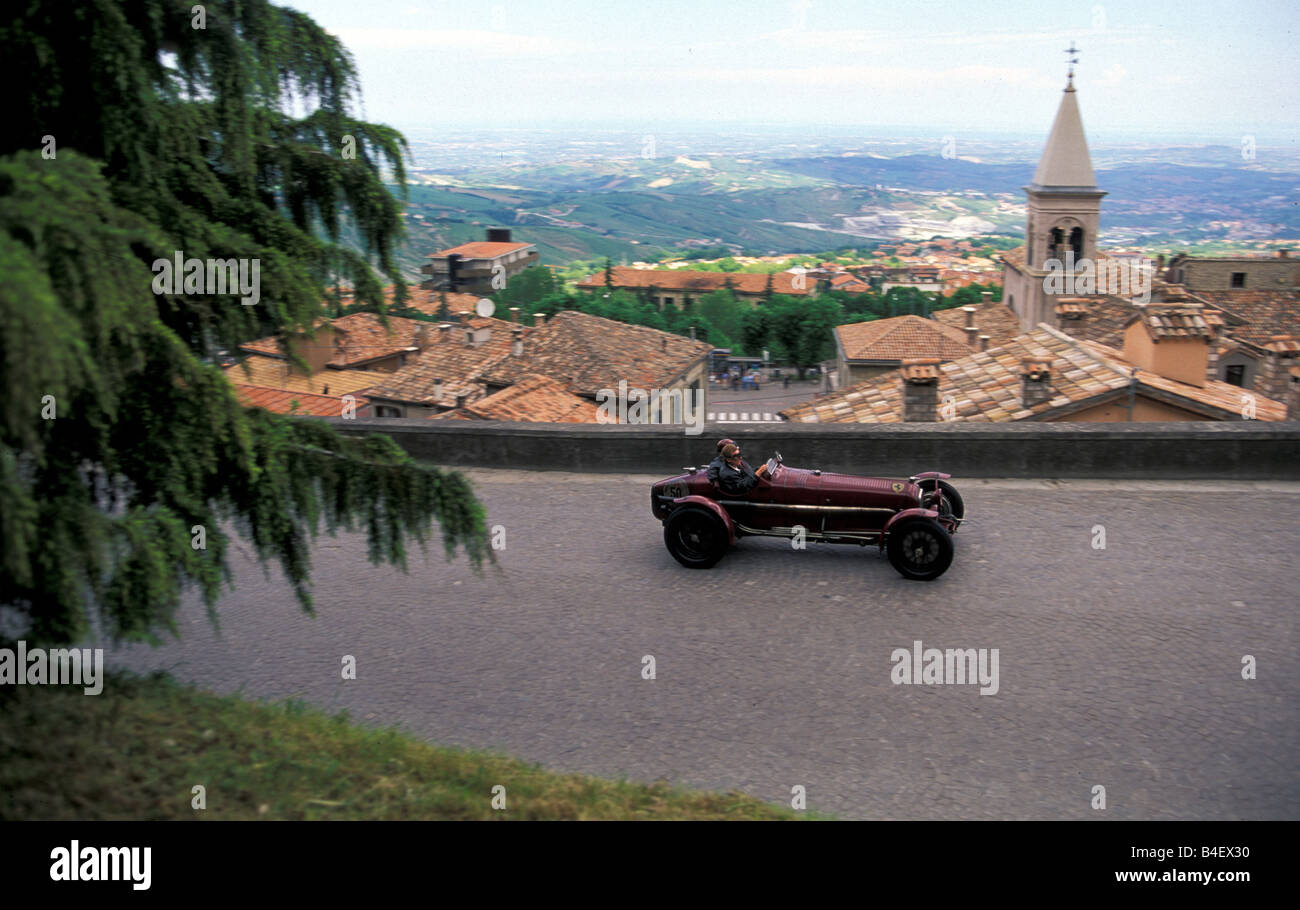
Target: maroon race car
[{"x": 912, "y": 520}]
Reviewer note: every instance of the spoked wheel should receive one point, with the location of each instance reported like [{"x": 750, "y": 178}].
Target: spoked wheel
[
  {"x": 696, "y": 538},
  {"x": 920, "y": 548},
  {"x": 952, "y": 501}
]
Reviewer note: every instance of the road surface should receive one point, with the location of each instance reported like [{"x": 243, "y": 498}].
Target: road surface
[{"x": 1118, "y": 667}]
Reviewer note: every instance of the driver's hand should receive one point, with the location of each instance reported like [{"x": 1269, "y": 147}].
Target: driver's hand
[{"x": 761, "y": 471}]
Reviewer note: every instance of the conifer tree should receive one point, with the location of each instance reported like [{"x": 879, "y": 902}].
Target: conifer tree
[{"x": 147, "y": 129}]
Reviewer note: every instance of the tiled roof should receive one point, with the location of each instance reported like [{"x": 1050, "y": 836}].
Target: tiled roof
[
  {"x": 1103, "y": 318},
  {"x": 282, "y": 401},
  {"x": 1173, "y": 321},
  {"x": 426, "y": 301},
  {"x": 480, "y": 249},
  {"x": 697, "y": 282},
  {"x": 986, "y": 386},
  {"x": 363, "y": 338},
  {"x": 274, "y": 373},
  {"x": 533, "y": 398},
  {"x": 994, "y": 319},
  {"x": 901, "y": 336},
  {"x": 1014, "y": 258},
  {"x": 449, "y": 357},
  {"x": 590, "y": 353},
  {"x": 1256, "y": 316}
]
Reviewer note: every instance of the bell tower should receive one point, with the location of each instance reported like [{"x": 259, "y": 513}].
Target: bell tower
[{"x": 1063, "y": 217}]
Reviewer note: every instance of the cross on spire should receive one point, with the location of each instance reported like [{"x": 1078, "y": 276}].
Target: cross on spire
[{"x": 1072, "y": 54}]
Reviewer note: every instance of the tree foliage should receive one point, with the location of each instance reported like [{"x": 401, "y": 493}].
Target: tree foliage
[{"x": 122, "y": 446}]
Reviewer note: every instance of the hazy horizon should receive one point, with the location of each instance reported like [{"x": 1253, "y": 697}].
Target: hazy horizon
[{"x": 1163, "y": 71}]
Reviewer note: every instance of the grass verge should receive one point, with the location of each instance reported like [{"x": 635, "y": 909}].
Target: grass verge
[{"x": 137, "y": 750}]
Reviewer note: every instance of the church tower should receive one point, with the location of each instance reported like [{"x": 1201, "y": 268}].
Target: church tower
[{"x": 1064, "y": 213}]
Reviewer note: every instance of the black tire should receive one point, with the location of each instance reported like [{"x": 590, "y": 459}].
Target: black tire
[
  {"x": 919, "y": 548},
  {"x": 951, "y": 497},
  {"x": 696, "y": 537}
]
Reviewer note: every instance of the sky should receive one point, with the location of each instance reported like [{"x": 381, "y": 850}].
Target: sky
[{"x": 1147, "y": 70}]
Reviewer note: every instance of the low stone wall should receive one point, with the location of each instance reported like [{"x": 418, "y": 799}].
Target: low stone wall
[{"x": 1237, "y": 450}]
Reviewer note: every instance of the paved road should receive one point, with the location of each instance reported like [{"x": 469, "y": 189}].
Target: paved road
[{"x": 1119, "y": 667}]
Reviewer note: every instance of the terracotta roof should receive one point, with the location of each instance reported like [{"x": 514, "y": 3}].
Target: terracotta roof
[
  {"x": 1015, "y": 257},
  {"x": 448, "y": 356},
  {"x": 533, "y": 398},
  {"x": 424, "y": 300},
  {"x": 274, "y": 373},
  {"x": 480, "y": 249},
  {"x": 364, "y": 339},
  {"x": 1256, "y": 316},
  {"x": 697, "y": 282},
  {"x": 1103, "y": 318},
  {"x": 282, "y": 401},
  {"x": 1173, "y": 321},
  {"x": 590, "y": 353},
  {"x": 900, "y": 337},
  {"x": 994, "y": 319},
  {"x": 986, "y": 386}
]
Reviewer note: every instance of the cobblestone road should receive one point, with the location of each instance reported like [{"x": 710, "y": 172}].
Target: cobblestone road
[{"x": 1119, "y": 667}]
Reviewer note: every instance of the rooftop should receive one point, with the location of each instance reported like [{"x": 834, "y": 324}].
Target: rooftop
[
  {"x": 901, "y": 337},
  {"x": 986, "y": 386}
]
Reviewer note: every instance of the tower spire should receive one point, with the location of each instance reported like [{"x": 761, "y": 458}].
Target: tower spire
[{"x": 1072, "y": 55}]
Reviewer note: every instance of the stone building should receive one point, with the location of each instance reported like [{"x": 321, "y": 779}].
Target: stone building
[{"x": 1064, "y": 213}]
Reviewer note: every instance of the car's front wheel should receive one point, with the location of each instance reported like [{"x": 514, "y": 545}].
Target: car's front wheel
[
  {"x": 696, "y": 538},
  {"x": 919, "y": 548},
  {"x": 952, "y": 501}
]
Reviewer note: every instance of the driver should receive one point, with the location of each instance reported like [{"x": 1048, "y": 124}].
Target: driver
[
  {"x": 716, "y": 464},
  {"x": 736, "y": 477}
]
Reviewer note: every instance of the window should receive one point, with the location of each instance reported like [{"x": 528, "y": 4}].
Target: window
[
  {"x": 384, "y": 410},
  {"x": 1076, "y": 243},
  {"x": 1238, "y": 279},
  {"x": 1235, "y": 374}
]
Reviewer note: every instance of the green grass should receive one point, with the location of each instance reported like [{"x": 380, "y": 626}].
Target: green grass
[{"x": 136, "y": 750}]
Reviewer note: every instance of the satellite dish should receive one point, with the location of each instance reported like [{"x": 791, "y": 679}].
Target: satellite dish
[{"x": 485, "y": 307}]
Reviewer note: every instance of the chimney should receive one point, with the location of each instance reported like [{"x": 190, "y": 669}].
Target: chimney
[
  {"x": 984, "y": 342},
  {"x": 539, "y": 320},
  {"x": 921, "y": 389},
  {"x": 692, "y": 333},
  {"x": 460, "y": 401},
  {"x": 1170, "y": 340},
  {"x": 498, "y": 235},
  {"x": 986, "y": 296},
  {"x": 972, "y": 337},
  {"x": 444, "y": 332},
  {"x": 437, "y": 390},
  {"x": 970, "y": 315},
  {"x": 517, "y": 344},
  {"x": 423, "y": 337},
  {"x": 514, "y": 314},
  {"x": 1293, "y": 396},
  {"x": 1035, "y": 381}
]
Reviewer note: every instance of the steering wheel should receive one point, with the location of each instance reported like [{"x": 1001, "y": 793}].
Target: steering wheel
[{"x": 773, "y": 465}]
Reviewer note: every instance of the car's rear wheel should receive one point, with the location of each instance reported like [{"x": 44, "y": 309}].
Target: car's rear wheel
[
  {"x": 952, "y": 500},
  {"x": 696, "y": 538},
  {"x": 919, "y": 548}
]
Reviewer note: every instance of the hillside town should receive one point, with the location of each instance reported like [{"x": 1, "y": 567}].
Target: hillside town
[{"x": 1192, "y": 338}]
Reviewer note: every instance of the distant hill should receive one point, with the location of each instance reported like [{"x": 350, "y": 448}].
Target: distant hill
[{"x": 624, "y": 208}]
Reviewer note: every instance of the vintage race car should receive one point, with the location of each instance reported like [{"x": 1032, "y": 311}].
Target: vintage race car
[{"x": 912, "y": 520}]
